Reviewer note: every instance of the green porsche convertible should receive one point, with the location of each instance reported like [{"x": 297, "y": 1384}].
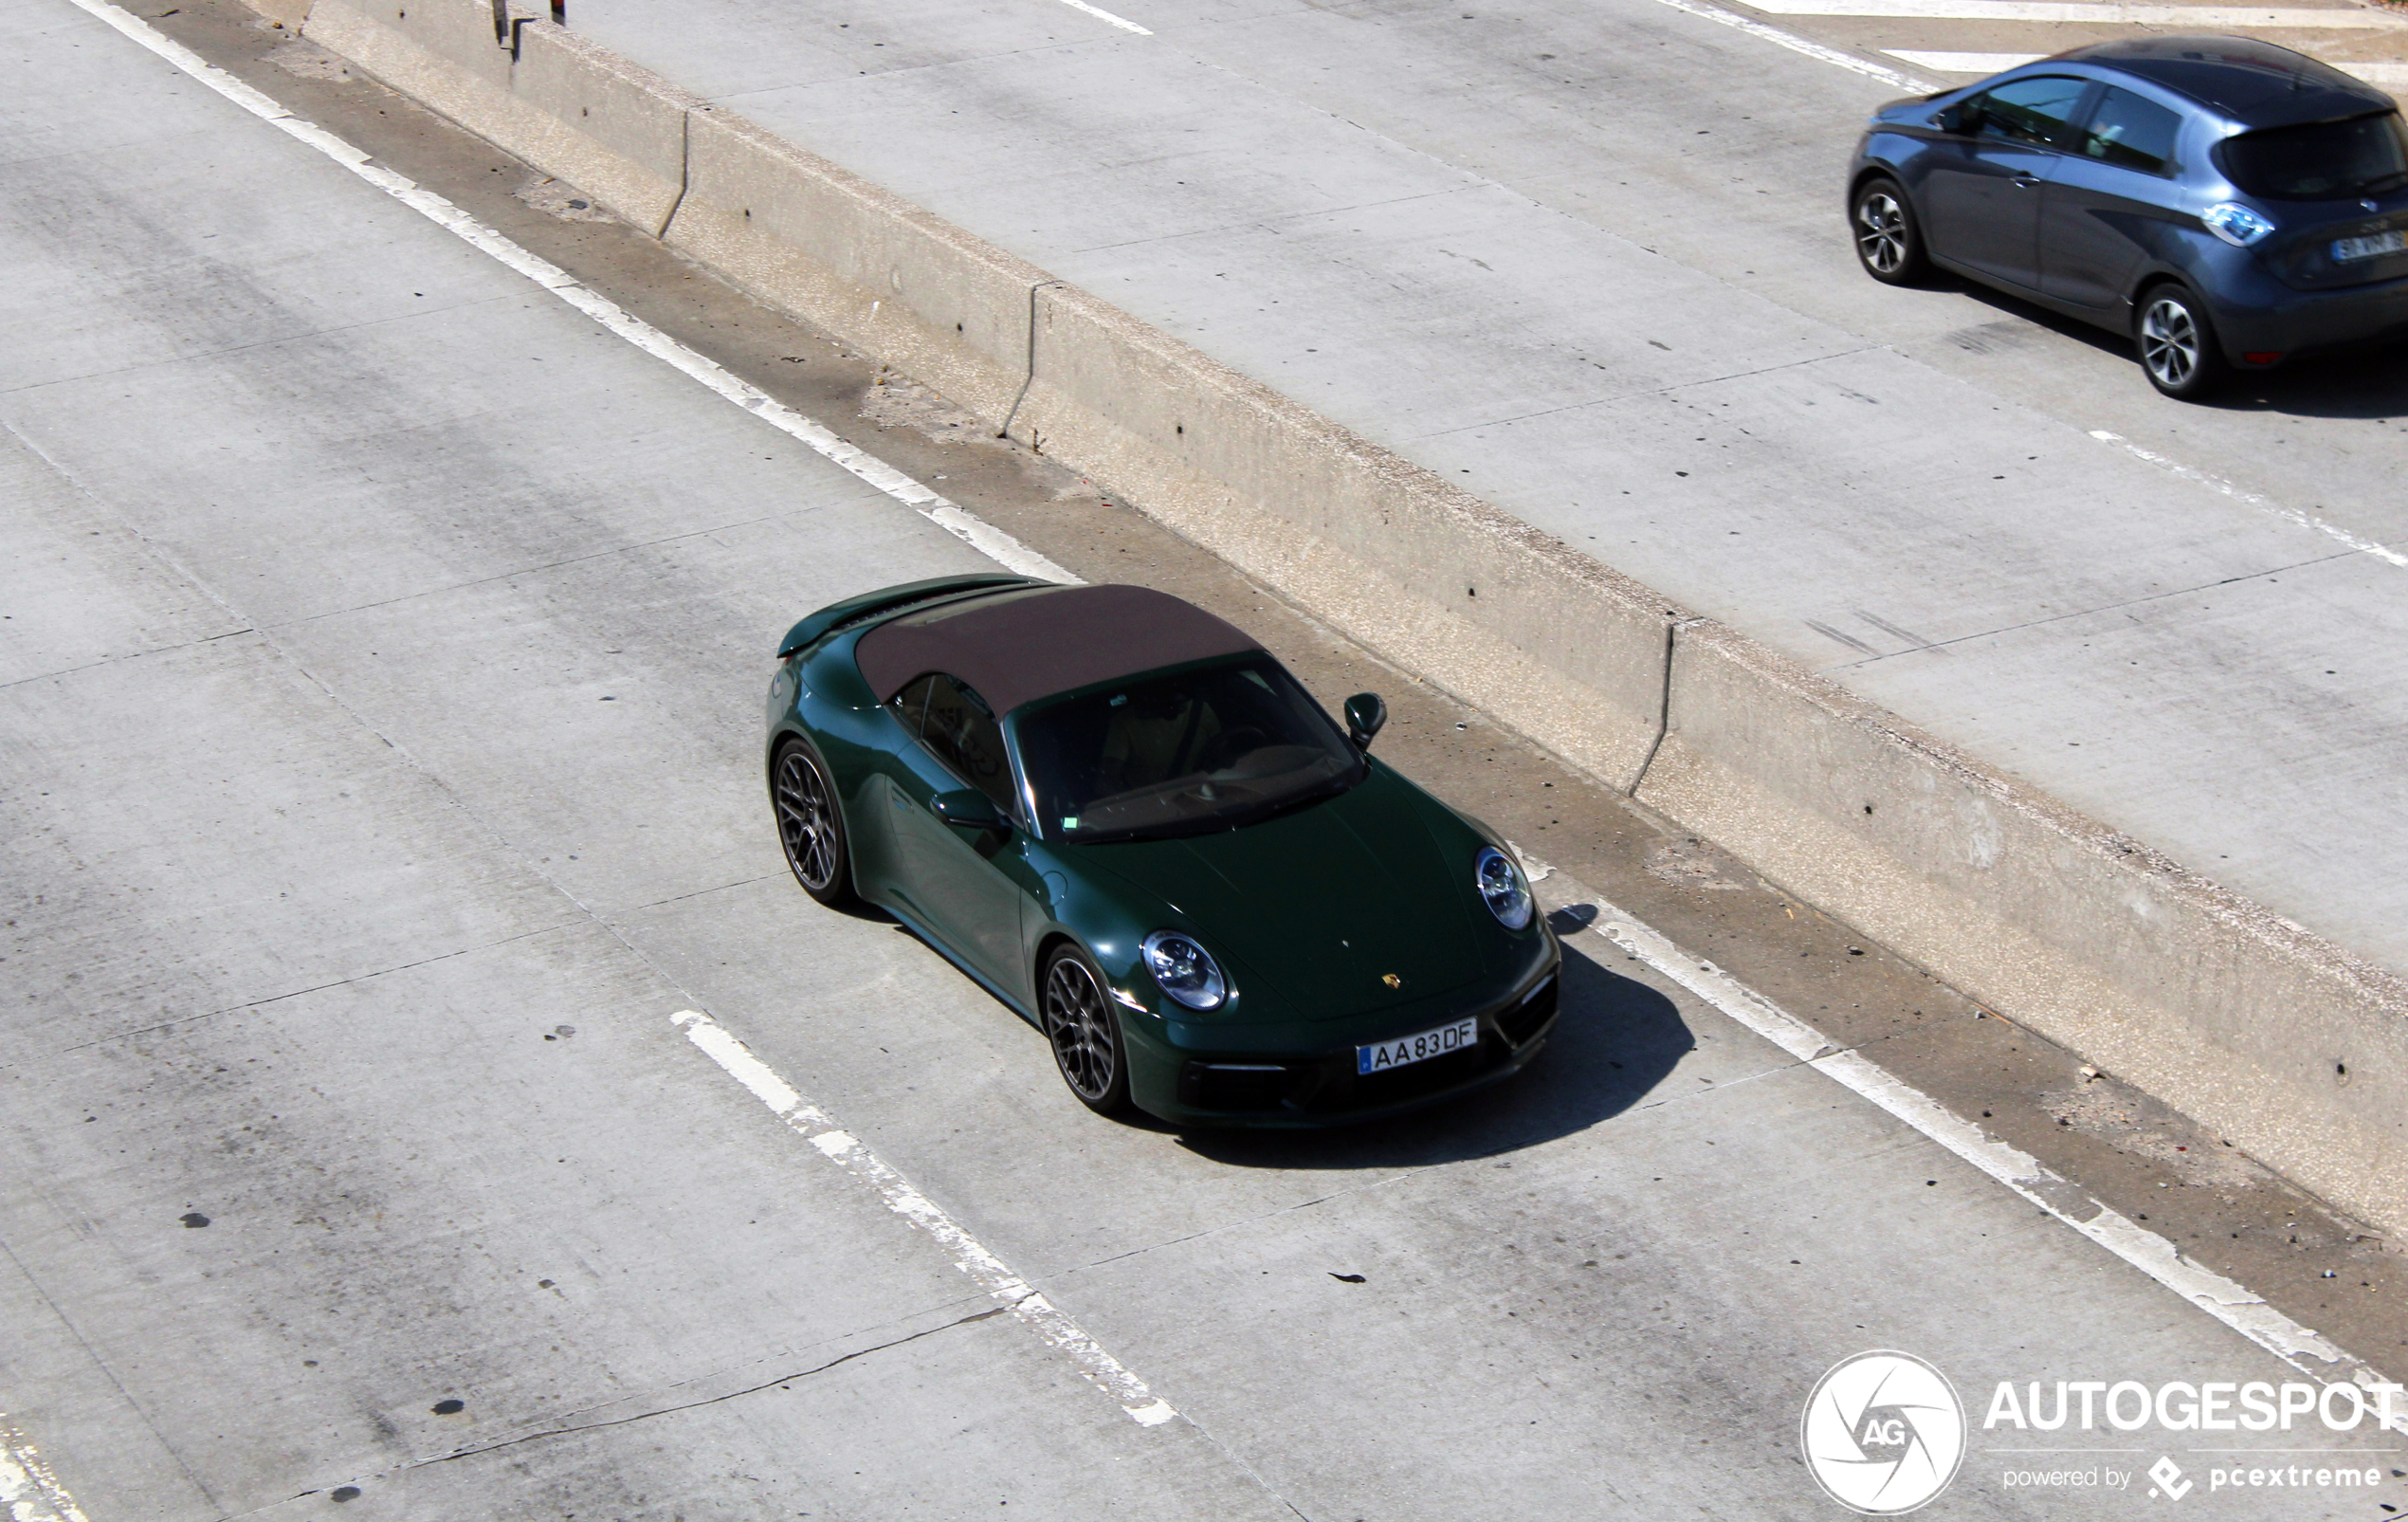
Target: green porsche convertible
[{"x": 1129, "y": 824}]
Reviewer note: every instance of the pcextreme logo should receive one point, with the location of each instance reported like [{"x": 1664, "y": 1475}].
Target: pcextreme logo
[{"x": 1882, "y": 1433}]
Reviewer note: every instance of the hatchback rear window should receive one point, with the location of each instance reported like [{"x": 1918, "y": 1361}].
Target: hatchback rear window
[{"x": 2321, "y": 161}]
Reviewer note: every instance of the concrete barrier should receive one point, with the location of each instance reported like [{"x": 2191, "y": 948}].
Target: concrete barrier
[
  {"x": 808, "y": 238},
  {"x": 2286, "y": 1043},
  {"x": 552, "y": 98}
]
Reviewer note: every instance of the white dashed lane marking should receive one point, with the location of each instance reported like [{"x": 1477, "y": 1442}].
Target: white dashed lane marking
[{"x": 985, "y": 1270}]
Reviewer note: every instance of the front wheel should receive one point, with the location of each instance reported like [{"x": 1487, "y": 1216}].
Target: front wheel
[
  {"x": 1086, "y": 1032},
  {"x": 2178, "y": 343},
  {"x": 811, "y": 825},
  {"x": 1888, "y": 241}
]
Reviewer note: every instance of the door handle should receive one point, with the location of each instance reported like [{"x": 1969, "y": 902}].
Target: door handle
[{"x": 2025, "y": 182}]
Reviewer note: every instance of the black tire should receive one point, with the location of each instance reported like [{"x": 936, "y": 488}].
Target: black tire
[
  {"x": 811, "y": 823},
  {"x": 2179, "y": 350},
  {"x": 1889, "y": 239},
  {"x": 1083, "y": 1025}
]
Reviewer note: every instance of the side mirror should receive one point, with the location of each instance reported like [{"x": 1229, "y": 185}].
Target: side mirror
[
  {"x": 1365, "y": 713},
  {"x": 1956, "y": 118},
  {"x": 968, "y": 808}
]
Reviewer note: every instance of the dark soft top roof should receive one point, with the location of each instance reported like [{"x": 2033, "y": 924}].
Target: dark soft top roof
[
  {"x": 2256, "y": 83},
  {"x": 1015, "y": 647}
]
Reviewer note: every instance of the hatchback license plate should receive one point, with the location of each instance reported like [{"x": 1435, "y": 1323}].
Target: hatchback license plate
[
  {"x": 2346, "y": 250},
  {"x": 1419, "y": 1047}
]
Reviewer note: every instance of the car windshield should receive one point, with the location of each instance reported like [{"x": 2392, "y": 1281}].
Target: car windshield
[
  {"x": 2321, "y": 161},
  {"x": 1185, "y": 752}
]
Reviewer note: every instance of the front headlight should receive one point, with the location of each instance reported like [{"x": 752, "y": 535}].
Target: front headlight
[
  {"x": 1502, "y": 887},
  {"x": 1185, "y": 970},
  {"x": 2235, "y": 224}
]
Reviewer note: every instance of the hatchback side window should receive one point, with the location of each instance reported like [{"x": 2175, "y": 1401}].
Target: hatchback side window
[
  {"x": 2132, "y": 132},
  {"x": 2038, "y": 111},
  {"x": 961, "y": 730}
]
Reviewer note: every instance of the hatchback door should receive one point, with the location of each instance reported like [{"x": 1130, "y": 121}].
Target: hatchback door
[
  {"x": 2104, "y": 205},
  {"x": 1983, "y": 189}
]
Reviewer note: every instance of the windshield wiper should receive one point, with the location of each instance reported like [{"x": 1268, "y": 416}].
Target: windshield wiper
[{"x": 2385, "y": 182}]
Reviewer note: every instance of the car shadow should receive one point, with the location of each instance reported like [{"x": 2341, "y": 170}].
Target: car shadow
[
  {"x": 1613, "y": 1042},
  {"x": 2352, "y": 383}
]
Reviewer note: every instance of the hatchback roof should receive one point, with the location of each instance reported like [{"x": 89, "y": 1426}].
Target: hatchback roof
[
  {"x": 1016, "y": 646},
  {"x": 2255, "y": 84}
]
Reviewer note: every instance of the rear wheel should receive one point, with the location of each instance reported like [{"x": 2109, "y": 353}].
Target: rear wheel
[
  {"x": 811, "y": 825},
  {"x": 2178, "y": 343},
  {"x": 1084, "y": 1029},
  {"x": 1888, "y": 241}
]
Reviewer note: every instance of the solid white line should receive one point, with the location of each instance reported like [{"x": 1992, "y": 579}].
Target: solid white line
[
  {"x": 1909, "y": 82},
  {"x": 2087, "y": 11},
  {"x": 1106, "y": 15},
  {"x": 989, "y": 539},
  {"x": 987, "y": 1270},
  {"x": 2302, "y": 1349},
  {"x": 1962, "y": 62},
  {"x": 2240, "y": 494},
  {"x": 28, "y": 1490}
]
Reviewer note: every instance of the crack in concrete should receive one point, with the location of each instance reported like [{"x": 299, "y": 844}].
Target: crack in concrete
[
  {"x": 573, "y": 559},
  {"x": 107, "y": 661},
  {"x": 2110, "y": 607},
  {"x": 1614, "y": 397},
  {"x": 296, "y": 993},
  {"x": 712, "y": 1400},
  {"x": 618, "y": 1421},
  {"x": 1822, "y": 1052},
  {"x": 1232, "y": 1225}
]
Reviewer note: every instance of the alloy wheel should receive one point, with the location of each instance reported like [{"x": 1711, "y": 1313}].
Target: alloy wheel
[
  {"x": 806, "y": 820},
  {"x": 1881, "y": 232},
  {"x": 2169, "y": 342},
  {"x": 1080, "y": 1026}
]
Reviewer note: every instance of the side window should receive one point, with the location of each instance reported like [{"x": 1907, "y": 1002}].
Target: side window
[
  {"x": 960, "y": 731},
  {"x": 912, "y": 703},
  {"x": 2132, "y": 132},
  {"x": 2037, "y": 111}
]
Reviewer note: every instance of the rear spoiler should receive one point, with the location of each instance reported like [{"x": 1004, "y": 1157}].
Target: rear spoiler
[{"x": 870, "y": 605}]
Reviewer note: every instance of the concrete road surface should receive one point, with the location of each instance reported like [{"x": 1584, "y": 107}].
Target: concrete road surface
[{"x": 381, "y": 644}]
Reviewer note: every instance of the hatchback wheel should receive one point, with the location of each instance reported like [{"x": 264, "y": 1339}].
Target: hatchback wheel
[
  {"x": 1086, "y": 1032},
  {"x": 1889, "y": 244},
  {"x": 2178, "y": 344},
  {"x": 811, "y": 825}
]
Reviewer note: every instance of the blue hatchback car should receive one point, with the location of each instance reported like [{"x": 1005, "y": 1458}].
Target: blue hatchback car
[{"x": 2227, "y": 203}]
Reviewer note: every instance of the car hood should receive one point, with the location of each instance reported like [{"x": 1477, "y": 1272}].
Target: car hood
[{"x": 1318, "y": 907}]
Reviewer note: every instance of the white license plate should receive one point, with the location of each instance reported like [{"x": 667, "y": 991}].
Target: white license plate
[
  {"x": 2369, "y": 246},
  {"x": 1419, "y": 1047}
]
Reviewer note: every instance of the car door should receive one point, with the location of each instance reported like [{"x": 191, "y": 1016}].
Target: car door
[
  {"x": 1983, "y": 185},
  {"x": 2107, "y": 198},
  {"x": 969, "y": 885}
]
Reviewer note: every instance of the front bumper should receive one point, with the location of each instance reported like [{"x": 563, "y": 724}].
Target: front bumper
[{"x": 1303, "y": 1078}]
